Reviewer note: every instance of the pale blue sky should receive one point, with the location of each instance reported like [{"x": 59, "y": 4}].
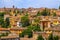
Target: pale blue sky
[{"x": 30, "y": 3}]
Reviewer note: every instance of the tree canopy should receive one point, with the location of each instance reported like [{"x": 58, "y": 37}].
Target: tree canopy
[
  {"x": 25, "y": 21},
  {"x": 45, "y": 12},
  {"x": 54, "y": 13},
  {"x": 50, "y": 37},
  {"x": 34, "y": 27},
  {"x": 26, "y": 32},
  {"x": 59, "y": 7},
  {"x": 38, "y": 13},
  {"x": 40, "y": 37}
]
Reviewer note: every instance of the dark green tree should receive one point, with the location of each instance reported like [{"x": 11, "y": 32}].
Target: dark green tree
[
  {"x": 38, "y": 13},
  {"x": 26, "y": 14},
  {"x": 2, "y": 18},
  {"x": 40, "y": 37},
  {"x": 59, "y": 7},
  {"x": 26, "y": 32},
  {"x": 7, "y": 21},
  {"x": 4, "y": 34},
  {"x": 22, "y": 34},
  {"x": 34, "y": 27},
  {"x": 45, "y": 12},
  {"x": 25, "y": 21},
  {"x": 51, "y": 37},
  {"x": 54, "y": 14},
  {"x": 56, "y": 38}
]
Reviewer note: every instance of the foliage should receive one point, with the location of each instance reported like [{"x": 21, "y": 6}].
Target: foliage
[
  {"x": 50, "y": 37},
  {"x": 1, "y": 15},
  {"x": 40, "y": 37},
  {"x": 26, "y": 14},
  {"x": 1, "y": 18},
  {"x": 25, "y": 21},
  {"x": 6, "y": 23},
  {"x": 38, "y": 14},
  {"x": 34, "y": 27},
  {"x": 59, "y": 7},
  {"x": 36, "y": 20},
  {"x": 45, "y": 12},
  {"x": 37, "y": 28},
  {"x": 4, "y": 34},
  {"x": 22, "y": 34},
  {"x": 26, "y": 32},
  {"x": 54, "y": 14},
  {"x": 56, "y": 38}
]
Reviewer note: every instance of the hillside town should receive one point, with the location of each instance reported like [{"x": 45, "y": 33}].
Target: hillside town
[{"x": 29, "y": 23}]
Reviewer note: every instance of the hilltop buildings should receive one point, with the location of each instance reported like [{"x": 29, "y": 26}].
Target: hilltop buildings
[{"x": 48, "y": 24}]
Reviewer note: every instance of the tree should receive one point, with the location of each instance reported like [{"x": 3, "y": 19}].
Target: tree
[
  {"x": 7, "y": 21},
  {"x": 2, "y": 18},
  {"x": 4, "y": 34},
  {"x": 26, "y": 14},
  {"x": 25, "y": 21},
  {"x": 36, "y": 20},
  {"x": 56, "y": 38},
  {"x": 45, "y": 12},
  {"x": 40, "y": 37},
  {"x": 51, "y": 37},
  {"x": 22, "y": 34},
  {"x": 59, "y": 7},
  {"x": 30, "y": 27},
  {"x": 34, "y": 27},
  {"x": 54, "y": 14},
  {"x": 48, "y": 12},
  {"x": 38, "y": 13},
  {"x": 26, "y": 32},
  {"x": 29, "y": 33}
]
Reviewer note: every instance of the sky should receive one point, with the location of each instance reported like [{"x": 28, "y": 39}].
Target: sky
[{"x": 30, "y": 3}]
